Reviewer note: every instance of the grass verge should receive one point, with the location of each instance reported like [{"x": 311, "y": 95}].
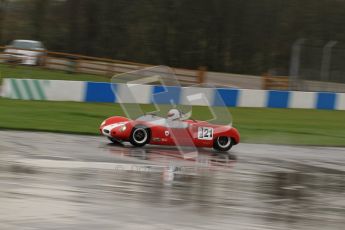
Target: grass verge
[
  {"x": 33, "y": 72},
  {"x": 273, "y": 126}
]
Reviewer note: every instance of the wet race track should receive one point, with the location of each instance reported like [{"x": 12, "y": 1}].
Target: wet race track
[{"x": 56, "y": 181}]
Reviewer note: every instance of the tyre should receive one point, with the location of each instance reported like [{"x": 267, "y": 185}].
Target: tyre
[
  {"x": 223, "y": 143},
  {"x": 140, "y": 136}
]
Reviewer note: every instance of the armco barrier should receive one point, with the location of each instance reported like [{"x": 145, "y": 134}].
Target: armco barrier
[{"x": 55, "y": 90}]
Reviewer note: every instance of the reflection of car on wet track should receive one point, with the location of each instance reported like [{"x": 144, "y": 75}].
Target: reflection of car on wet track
[{"x": 173, "y": 130}]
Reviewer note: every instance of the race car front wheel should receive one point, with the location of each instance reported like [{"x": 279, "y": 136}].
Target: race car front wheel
[
  {"x": 140, "y": 136},
  {"x": 222, "y": 143}
]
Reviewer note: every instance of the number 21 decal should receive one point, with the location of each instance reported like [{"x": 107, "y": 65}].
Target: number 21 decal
[{"x": 205, "y": 133}]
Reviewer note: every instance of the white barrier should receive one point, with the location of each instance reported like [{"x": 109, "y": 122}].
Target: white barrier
[
  {"x": 51, "y": 90},
  {"x": 28, "y": 89}
]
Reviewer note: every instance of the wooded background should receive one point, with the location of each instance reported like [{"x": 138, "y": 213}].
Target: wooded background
[{"x": 238, "y": 36}]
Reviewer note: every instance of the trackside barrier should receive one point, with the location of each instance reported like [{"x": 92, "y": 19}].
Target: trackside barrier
[
  {"x": 55, "y": 90},
  {"x": 30, "y": 89}
]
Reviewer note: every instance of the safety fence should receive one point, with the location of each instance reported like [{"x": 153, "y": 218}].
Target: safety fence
[
  {"x": 76, "y": 63},
  {"x": 277, "y": 83},
  {"x": 56, "y": 90}
]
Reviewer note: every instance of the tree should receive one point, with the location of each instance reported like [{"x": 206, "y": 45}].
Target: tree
[{"x": 3, "y": 4}]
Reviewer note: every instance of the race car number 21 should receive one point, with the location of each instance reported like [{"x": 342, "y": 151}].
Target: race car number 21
[{"x": 205, "y": 133}]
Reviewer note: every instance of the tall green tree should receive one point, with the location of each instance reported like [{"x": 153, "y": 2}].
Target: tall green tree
[{"x": 250, "y": 36}]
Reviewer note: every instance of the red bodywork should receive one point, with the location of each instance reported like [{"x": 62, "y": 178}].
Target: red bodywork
[{"x": 162, "y": 134}]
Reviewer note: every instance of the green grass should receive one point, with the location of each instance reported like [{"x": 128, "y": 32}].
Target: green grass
[
  {"x": 274, "y": 126},
  {"x": 33, "y": 72}
]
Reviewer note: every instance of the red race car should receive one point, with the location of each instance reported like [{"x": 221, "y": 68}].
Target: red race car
[{"x": 173, "y": 130}]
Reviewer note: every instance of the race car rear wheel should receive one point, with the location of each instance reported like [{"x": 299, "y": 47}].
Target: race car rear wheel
[
  {"x": 140, "y": 136},
  {"x": 223, "y": 143}
]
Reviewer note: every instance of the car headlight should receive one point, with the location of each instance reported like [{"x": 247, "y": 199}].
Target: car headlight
[
  {"x": 123, "y": 128},
  {"x": 103, "y": 123}
]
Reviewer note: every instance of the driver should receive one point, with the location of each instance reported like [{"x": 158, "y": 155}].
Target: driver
[{"x": 174, "y": 115}]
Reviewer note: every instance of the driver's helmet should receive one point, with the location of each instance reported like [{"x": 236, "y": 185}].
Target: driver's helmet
[{"x": 174, "y": 114}]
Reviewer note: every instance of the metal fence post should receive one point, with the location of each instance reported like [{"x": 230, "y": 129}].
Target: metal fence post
[
  {"x": 326, "y": 60},
  {"x": 295, "y": 63}
]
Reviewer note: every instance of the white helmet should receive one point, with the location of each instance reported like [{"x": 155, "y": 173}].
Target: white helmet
[{"x": 174, "y": 114}]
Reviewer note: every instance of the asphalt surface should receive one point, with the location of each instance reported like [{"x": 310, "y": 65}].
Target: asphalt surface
[{"x": 56, "y": 181}]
